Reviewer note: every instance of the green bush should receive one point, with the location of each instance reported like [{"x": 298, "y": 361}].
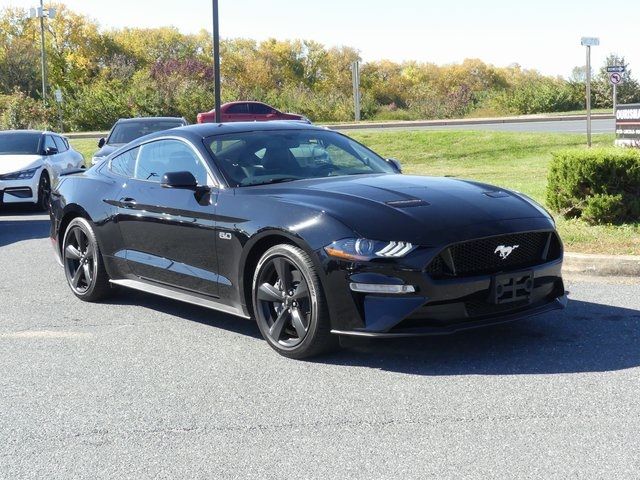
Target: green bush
[
  {"x": 18, "y": 111},
  {"x": 600, "y": 185}
]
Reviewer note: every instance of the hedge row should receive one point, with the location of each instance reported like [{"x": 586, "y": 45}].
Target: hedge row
[{"x": 599, "y": 185}]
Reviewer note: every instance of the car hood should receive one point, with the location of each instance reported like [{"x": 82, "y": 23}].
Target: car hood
[
  {"x": 410, "y": 208},
  {"x": 15, "y": 163},
  {"x": 107, "y": 150}
]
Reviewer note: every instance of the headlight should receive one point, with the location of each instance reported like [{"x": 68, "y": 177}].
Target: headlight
[
  {"x": 21, "y": 175},
  {"x": 363, "y": 249}
]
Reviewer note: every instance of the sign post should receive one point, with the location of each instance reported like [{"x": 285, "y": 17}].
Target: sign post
[
  {"x": 589, "y": 42},
  {"x": 355, "y": 75},
  {"x": 58, "y": 96},
  {"x": 615, "y": 78}
]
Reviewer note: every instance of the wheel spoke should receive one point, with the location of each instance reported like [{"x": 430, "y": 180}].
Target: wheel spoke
[
  {"x": 298, "y": 323},
  {"x": 79, "y": 238},
  {"x": 72, "y": 252},
  {"x": 87, "y": 273},
  {"x": 269, "y": 293},
  {"x": 301, "y": 291},
  {"x": 284, "y": 273},
  {"x": 76, "y": 277},
  {"x": 276, "y": 329}
]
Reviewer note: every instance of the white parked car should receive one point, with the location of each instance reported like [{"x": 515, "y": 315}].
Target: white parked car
[{"x": 30, "y": 162}]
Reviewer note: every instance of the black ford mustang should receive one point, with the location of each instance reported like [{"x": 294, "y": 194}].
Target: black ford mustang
[{"x": 307, "y": 231}]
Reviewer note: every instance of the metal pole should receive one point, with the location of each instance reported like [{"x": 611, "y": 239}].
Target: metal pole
[
  {"x": 216, "y": 61},
  {"x": 355, "y": 70},
  {"x": 589, "y": 95},
  {"x": 615, "y": 98},
  {"x": 43, "y": 63}
]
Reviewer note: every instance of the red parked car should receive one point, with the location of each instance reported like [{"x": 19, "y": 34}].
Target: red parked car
[{"x": 249, "y": 112}]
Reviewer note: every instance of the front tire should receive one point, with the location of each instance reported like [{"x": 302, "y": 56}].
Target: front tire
[
  {"x": 83, "y": 265},
  {"x": 289, "y": 304},
  {"x": 44, "y": 192}
]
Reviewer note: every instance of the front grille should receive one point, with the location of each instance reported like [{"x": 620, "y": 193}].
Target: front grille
[{"x": 483, "y": 256}]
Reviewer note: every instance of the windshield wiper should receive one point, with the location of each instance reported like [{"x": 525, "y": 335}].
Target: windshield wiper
[{"x": 274, "y": 180}]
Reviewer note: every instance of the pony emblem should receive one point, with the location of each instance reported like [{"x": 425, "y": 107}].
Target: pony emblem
[{"x": 504, "y": 251}]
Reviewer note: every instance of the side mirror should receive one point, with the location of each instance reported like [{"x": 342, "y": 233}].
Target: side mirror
[
  {"x": 101, "y": 142},
  {"x": 184, "y": 180},
  {"x": 395, "y": 164},
  {"x": 50, "y": 151}
]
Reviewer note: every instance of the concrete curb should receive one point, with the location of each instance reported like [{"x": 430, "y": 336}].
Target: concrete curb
[
  {"x": 86, "y": 134},
  {"x": 466, "y": 121},
  {"x": 421, "y": 123},
  {"x": 601, "y": 265}
]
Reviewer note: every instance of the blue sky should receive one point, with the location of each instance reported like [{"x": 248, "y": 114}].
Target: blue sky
[{"x": 544, "y": 34}]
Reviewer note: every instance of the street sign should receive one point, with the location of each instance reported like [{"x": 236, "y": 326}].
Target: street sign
[
  {"x": 615, "y": 78},
  {"x": 590, "y": 41},
  {"x": 615, "y": 69},
  {"x": 58, "y": 95},
  {"x": 628, "y": 125}
]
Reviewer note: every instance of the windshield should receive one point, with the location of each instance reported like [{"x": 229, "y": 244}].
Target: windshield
[
  {"x": 126, "y": 132},
  {"x": 256, "y": 158},
  {"x": 19, "y": 143}
]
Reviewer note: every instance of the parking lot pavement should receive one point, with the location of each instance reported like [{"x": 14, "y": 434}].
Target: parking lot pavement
[{"x": 143, "y": 387}]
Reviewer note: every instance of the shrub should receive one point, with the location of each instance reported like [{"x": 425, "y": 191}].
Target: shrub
[
  {"x": 18, "y": 111},
  {"x": 600, "y": 186}
]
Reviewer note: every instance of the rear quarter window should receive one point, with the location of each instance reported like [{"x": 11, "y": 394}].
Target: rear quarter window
[{"x": 125, "y": 163}]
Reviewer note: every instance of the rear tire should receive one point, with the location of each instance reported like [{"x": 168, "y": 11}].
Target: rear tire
[
  {"x": 289, "y": 304},
  {"x": 82, "y": 260}
]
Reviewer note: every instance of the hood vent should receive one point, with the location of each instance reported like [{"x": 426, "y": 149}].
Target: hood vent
[
  {"x": 496, "y": 194},
  {"x": 416, "y": 202}
]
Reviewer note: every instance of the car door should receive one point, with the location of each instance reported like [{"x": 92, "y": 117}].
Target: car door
[
  {"x": 261, "y": 112},
  {"x": 53, "y": 159},
  {"x": 169, "y": 233},
  {"x": 238, "y": 112},
  {"x": 65, "y": 156}
]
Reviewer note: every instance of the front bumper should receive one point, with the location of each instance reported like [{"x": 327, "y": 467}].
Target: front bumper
[
  {"x": 438, "y": 306},
  {"x": 20, "y": 191}
]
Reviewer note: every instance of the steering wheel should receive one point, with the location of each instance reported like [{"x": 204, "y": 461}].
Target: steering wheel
[{"x": 326, "y": 167}]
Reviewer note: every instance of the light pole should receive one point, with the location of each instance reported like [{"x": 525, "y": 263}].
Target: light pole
[
  {"x": 589, "y": 42},
  {"x": 216, "y": 61},
  {"x": 41, "y": 12}
]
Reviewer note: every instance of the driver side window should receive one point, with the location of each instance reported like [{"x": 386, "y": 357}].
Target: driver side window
[{"x": 157, "y": 158}]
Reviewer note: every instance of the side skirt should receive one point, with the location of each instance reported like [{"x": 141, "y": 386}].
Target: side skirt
[{"x": 178, "y": 295}]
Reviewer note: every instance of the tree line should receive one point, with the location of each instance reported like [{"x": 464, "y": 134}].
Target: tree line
[{"x": 105, "y": 74}]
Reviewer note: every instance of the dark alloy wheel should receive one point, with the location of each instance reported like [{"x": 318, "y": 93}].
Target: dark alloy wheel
[
  {"x": 83, "y": 265},
  {"x": 44, "y": 192},
  {"x": 289, "y": 305}
]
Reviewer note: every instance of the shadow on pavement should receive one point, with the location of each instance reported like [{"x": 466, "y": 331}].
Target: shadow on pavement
[
  {"x": 19, "y": 223},
  {"x": 586, "y": 337},
  {"x": 186, "y": 311}
]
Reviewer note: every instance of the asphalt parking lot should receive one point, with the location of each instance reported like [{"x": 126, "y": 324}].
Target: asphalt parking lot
[{"x": 142, "y": 387}]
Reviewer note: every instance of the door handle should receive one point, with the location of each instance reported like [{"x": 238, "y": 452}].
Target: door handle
[{"x": 128, "y": 202}]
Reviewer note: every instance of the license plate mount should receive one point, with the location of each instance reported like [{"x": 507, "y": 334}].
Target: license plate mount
[{"x": 512, "y": 287}]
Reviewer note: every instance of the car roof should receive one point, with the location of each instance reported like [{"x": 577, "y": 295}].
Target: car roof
[
  {"x": 244, "y": 101},
  {"x": 200, "y": 131},
  {"x": 209, "y": 129},
  {"x": 150, "y": 119},
  {"x": 31, "y": 132}
]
